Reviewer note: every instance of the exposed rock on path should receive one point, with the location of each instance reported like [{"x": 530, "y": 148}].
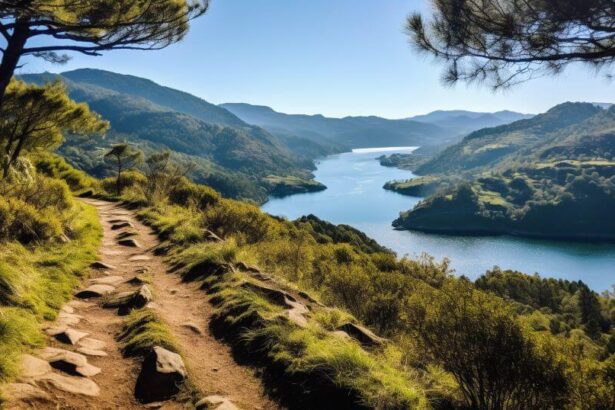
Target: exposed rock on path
[{"x": 89, "y": 371}]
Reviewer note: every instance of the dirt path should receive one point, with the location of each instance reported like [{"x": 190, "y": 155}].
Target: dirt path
[{"x": 182, "y": 306}]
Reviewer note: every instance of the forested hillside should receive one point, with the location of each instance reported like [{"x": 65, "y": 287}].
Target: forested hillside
[
  {"x": 226, "y": 153},
  {"x": 322, "y": 313},
  {"x": 549, "y": 176}
]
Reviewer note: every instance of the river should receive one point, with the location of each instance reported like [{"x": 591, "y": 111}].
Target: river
[{"x": 355, "y": 197}]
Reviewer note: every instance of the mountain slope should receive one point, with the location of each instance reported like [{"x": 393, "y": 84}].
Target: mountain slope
[
  {"x": 550, "y": 176},
  {"x": 353, "y": 132},
  {"x": 489, "y": 146},
  {"x": 461, "y": 122},
  {"x": 233, "y": 159},
  {"x": 169, "y": 98}
]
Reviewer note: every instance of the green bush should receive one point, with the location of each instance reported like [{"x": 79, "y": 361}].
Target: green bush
[
  {"x": 20, "y": 221},
  {"x": 129, "y": 179},
  {"x": 190, "y": 194},
  {"x": 239, "y": 219},
  {"x": 54, "y": 166}
]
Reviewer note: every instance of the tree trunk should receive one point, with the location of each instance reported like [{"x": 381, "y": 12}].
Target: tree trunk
[
  {"x": 10, "y": 160},
  {"x": 12, "y": 54},
  {"x": 118, "y": 181}
]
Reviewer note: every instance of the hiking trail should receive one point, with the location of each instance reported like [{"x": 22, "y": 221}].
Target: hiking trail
[{"x": 82, "y": 366}]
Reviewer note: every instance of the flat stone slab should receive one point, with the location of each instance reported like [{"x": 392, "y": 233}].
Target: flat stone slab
[
  {"x": 362, "y": 334},
  {"x": 136, "y": 280},
  {"x": 33, "y": 367},
  {"x": 122, "y": 225},
  {"x": 126, "y": 235},
  {"x": 95, "y": 291},
  {"x": 70, "y": 384},
  {"x": 138, "y": 258},
  {"x": 119, "y": 221},
  {"x": 92, "y": 352},
  {"x": 193, "y": 327},
  {"x": 66, "y": 335},
  {"x": 72, "y": 363},
  {"x": 131, "y": 243},
  {"x": 91, "y": 343},
  {"x": 69, "y": 319},
  {"x": 215, "y": 402},
  {"x": 108, "y": 280},
  {"x": 25, "y": 393},
  {"x": 102, "y": 266}
]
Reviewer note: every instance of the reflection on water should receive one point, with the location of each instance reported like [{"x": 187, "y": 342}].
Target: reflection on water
[{"x": 355, "y": 197}]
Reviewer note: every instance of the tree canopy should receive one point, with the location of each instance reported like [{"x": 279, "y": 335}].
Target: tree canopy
[
  {"x": 504, "y": 42},
  {"x": 35, "y": 117},
  {"x": 89, "y": 27}
]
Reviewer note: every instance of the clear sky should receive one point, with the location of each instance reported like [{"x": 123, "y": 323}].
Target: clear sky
[{"x": 333, "y": 57}]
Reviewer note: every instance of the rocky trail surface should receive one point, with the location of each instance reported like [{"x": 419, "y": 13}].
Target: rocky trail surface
[{"x": 82, "y": 366}]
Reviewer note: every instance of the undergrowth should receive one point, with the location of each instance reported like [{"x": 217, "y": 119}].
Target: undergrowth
[{"x": 36, "y": 280}]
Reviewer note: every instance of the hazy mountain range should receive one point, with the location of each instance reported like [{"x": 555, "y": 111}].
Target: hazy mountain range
[
  {"x": 461, "y": 122},
  {"x": 437, "y": 128}
]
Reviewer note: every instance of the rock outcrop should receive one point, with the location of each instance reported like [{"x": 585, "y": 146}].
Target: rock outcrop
[{"x": 162, "y": 374}]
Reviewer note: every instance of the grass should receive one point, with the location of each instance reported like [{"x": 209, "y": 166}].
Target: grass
[
  {"x": 311, "y": 363},
  {"x": 286, "y": 185},
  {"x": 142, "y": 331},
  {"x": 35, "y": 281},
  {"x": 492, "y": 198},
  {"x": 596, "y": 163}
]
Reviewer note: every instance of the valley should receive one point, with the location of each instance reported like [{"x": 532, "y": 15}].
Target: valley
[
  {"x": 355, "y": 197},
  {"x": 358, "y": 243},
  {"x": 551, "y": 176}
]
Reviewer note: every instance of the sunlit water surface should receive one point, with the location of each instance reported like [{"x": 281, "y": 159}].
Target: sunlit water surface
[{"x": 355, "y": 197}]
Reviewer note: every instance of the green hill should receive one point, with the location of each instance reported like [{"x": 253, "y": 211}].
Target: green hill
[
  {"x": 490, "y": 146},
  {"x": 230, "y": 155},
  {"x": 550, "y": 176},
  {"x": 169, "y": 98}
]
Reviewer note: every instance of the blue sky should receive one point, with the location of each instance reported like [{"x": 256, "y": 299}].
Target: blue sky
[{"x": 333, "y": 57}]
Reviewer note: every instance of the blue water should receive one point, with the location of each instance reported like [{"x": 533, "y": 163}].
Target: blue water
[{"x": 355, "y": 197}]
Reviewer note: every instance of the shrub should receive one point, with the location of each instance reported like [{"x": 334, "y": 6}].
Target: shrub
[
  {"x": 475, "y": 336},
  {"x": 22, "y": 222},
  {"x": 55, "y": 166},
  {"x": 129, "y": 179},
  {"x": 44, "y": 193},
  {"x": 190, "y": 194},
  {"x": 239, "y": 219}
]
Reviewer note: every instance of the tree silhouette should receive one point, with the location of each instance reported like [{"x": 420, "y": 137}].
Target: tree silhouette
[
  {"x": 88, "y": 27},
  {"x": 504, "y": 42},
  {"x": 34, "y": 117},
  {"x": 123, "y": 156}
]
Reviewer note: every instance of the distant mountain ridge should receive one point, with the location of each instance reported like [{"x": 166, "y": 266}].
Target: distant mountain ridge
[
  {"x": 351, "y": 132},
  {"x": 232, "y": 156},
  {"x": 170, "y": 98},
  {"x": 490, "y": 146},
  {"x": 437, "y": 128},
  {"x": 463, "y": 122}
]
